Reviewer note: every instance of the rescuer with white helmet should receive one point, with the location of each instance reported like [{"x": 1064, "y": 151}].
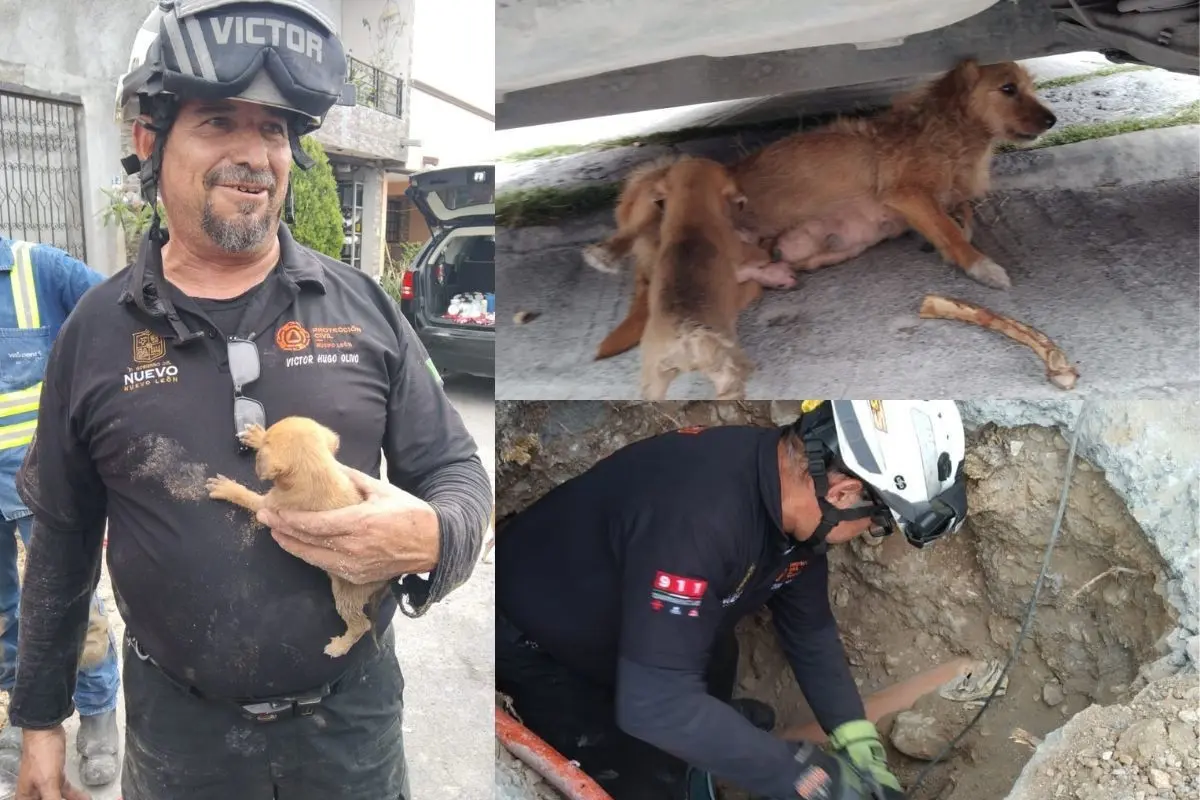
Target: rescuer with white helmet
[{"x": 618, "y": 593}]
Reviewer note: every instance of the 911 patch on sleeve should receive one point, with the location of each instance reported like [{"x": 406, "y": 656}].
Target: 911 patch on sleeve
[
  {"x": 679, "y": 595},
  {"x": 692, "y": 429}
]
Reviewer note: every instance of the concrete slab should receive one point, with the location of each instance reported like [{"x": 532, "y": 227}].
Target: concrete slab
[{"x": 1107, "y": 267}]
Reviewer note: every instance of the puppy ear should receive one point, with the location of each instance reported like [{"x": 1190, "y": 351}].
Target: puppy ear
[
  {"x": 658, "y": 192},
  {"x": 332, "y": 441}
]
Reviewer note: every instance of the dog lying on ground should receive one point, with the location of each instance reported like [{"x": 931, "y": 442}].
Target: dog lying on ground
[
  {"x": 824, "y": 196},
  {"x": 694, "y": 296},
  {"x": 639, "y": 215},
  {"x": 828, "y": 194},
  {"x": 299, "y": 455}
]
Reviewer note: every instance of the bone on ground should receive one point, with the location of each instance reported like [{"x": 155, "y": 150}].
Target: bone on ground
[{"x": 1059, "y": 369}]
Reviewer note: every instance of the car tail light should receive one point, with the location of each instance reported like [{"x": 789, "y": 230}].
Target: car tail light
[{"x": 406, "y": 286}]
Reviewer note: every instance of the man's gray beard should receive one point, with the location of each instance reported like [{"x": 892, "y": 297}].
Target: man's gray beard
[{"x": 244, "y": 232}]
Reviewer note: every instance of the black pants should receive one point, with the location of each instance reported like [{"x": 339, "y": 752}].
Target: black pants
[
  {"x": 577, "y": 716},
  {"x": 179, "y": 747}
]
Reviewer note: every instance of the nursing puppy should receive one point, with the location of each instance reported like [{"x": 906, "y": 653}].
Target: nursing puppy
[
  {"x": 694, "y": 295},
  {"x": 298, "y": 455},
  {"x": 828, "y": 194},
  {"x": 639, "y": 215}
]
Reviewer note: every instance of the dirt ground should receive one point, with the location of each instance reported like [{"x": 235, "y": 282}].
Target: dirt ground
[
  {"x": 1143, "y": 749},
  {"x": 1101, "y": 616}
]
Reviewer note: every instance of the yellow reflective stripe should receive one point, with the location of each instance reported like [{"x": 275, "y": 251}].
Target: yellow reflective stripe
[
  {"x": 24, "y": 290},
  {"x": 16, "y": 435},
  {"x": 20, "y": 402}
]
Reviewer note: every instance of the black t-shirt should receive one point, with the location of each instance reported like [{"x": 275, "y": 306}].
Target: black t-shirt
[
  {"x": 133, "y": 422},
  {"x": 227, "y": 315},
  {"x": 629, "y": 572}
]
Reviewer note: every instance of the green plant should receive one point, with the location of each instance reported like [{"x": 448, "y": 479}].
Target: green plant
[
  {"x": 131, "y": 215},
  {"x": 394, "y": 266},
  {"x": 318, "y": 214}
]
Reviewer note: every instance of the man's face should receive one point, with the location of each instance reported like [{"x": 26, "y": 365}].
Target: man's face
[{"x": 224, "y": 172}]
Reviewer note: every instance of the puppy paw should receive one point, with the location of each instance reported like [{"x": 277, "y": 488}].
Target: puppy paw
[
  {"x": 598, "y": 258},
  {"x": 777, "y": 276},
  {"x": 254, "y": 436},
  {"x": 221, "y": 488},
  {"x": 989, "y": 273},
  {"x": 338, "y": 646}
]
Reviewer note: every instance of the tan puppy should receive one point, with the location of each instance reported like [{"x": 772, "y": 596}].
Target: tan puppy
[
  {"x": 639, "y": 214},
  {"x": 694, "y": 295},
  {"x": 860, "y": 181},
  {"x": 298, "y": 454}
]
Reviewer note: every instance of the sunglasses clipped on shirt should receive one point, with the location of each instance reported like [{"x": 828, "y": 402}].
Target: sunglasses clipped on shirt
[{"x": 244, "y": 368}]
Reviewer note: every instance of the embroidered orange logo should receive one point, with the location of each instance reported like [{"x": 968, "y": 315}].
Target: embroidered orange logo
[
  {"x": 292, "y": 337},
  {"x": 691, "y": 429},
  {"x": 148, "y": 347}
]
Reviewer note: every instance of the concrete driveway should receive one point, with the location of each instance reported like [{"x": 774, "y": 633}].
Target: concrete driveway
[{"x": 447, "y": 656}]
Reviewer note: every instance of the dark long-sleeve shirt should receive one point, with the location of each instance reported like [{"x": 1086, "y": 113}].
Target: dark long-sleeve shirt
[
  {"x": 631, "y": 571},
  {"x": 134, "y": 419}
]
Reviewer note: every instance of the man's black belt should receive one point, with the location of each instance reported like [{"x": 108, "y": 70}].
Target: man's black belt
[{"x": 261, "y": 709}]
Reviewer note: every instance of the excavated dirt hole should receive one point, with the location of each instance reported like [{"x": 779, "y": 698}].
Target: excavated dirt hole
[{"x": 1101, "y": 614}]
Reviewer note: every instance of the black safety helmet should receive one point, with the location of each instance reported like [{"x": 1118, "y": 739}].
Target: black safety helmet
[{"x": 280, "y": 53}]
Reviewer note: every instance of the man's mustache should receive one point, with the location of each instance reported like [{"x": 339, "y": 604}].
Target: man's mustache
[{"x": 241, "y": 176}]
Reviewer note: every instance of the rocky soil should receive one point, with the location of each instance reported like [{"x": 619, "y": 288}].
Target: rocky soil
[{"x": 1144, "y": 749}]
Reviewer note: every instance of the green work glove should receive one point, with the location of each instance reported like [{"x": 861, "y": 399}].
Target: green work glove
[{"x": 859, "y": 741}]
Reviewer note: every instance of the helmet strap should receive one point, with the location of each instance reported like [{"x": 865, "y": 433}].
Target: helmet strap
[
  {"x": 298, "y": 155},
  {"x": 831, "y": 515}
]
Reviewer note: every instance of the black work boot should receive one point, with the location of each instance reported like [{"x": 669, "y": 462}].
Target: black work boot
[{"x": 98, "y": 743}]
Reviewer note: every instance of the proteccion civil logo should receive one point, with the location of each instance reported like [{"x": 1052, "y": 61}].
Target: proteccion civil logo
[{"x": 292, "y": 337}]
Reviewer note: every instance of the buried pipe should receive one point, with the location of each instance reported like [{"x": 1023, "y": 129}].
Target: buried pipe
[{"x": 533, "y": 751}]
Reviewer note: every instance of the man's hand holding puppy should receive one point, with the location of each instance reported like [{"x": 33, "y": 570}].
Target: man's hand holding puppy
[{"x": 390, "y": 533}]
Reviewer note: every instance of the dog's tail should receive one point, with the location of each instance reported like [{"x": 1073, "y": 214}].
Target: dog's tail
[{"x": 628, "y": 334}]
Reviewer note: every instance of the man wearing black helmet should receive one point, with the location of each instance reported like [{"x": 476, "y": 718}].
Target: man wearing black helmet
[
  {"x": 221, "y": 322},
  {"x": 618, "y": 592}
]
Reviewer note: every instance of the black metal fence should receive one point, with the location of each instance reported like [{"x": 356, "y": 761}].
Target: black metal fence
[
  {"x": 376, "y": 88},
  {"x": 41, "y": 196}
]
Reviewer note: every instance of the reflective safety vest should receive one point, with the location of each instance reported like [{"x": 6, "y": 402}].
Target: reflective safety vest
[{"x": 20, "y": 402}]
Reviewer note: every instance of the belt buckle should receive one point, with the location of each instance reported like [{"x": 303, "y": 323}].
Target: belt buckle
[{"x": 264, "y": 711}]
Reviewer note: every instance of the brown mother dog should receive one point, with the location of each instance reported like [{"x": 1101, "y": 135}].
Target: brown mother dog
[
  {"x": 824, "y": 196},
  {"x": 827, "y": 195}
]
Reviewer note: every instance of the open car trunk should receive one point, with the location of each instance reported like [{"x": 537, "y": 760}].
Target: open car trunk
[{"x": 460, "y": 279}]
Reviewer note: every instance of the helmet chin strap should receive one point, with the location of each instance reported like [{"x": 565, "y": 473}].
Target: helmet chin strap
[{"x": 831, "y": 515}]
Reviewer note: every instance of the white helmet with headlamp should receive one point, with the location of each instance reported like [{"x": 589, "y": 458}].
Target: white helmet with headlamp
[{"x": 908, "y": 454}]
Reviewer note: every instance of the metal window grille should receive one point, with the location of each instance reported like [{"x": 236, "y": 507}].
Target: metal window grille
[
  {"x": 376, "y": 88},
  {"x": 41, "y": 193}
]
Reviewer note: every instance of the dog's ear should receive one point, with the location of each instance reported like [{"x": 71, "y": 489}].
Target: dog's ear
[
  {"x": 967, "y": 73},
  {"x": 658, "y": 191},
  {"x": 733, "y": 193},
  {"x": 332, "y": 441}
]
